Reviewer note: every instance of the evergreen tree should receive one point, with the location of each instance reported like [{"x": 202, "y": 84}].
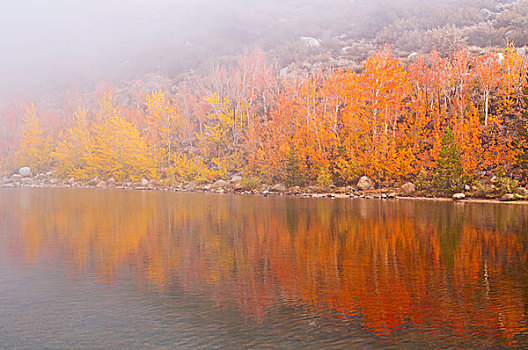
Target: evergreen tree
[
  {"x": 449, "y": 173},
  {"x": 294, "y": 177}
]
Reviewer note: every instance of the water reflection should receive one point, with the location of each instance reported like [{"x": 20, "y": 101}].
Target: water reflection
[{"x": 412, "y": 271}]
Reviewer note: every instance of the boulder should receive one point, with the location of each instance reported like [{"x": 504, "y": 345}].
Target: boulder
[
  {"x": 111, "y": 181},
  {"x": 190, "y": 186},
  {"x": 219, "y": 184},
  {"x": 144, "y": 182},
  {"x": 408, "y": 188},
  {"x": 310, "y": 41},
  {"x": 365, "y": 183},
  {"x": 101, "y": 184},
  {"x": 522, "y": 191},
  {"x": 294, "y": 190},
  {"x": 508, "y": 197},
  {"x": 236, "y": 178},
  {"x": 350, "y": 189},
  {"x": 279, "y": 188},
  {"x": 458, "y": 196},
  {"x": 24, "y": 171},
  {"x": 316, "y": 189},
  {"x": 25, "y": 180}
]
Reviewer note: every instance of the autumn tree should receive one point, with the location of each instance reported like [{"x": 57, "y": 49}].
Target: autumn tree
[
  {"x": 74, "y": 151},
  {"x": 163, "y": 122},
  {"x": 35, "y": 144}
]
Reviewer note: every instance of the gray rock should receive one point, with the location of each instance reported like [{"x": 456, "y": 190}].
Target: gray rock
[
  {"x": 190, "y": 186},
  {"x": 144, "y": 182},
  {"x": 508, "y": 197},
  {"x": 16, "y": 177},
  {"x": 522, "y": 191},
  {"x": 458, "y": 196},
  {"x": 24, "y": 171},
  {"x": 236, "y": 178},
  {"x": 294, "y": 189},
  {"x": 278, "y": 188},
  {"x": 316, "y": 189},
  {"x": 365, "y": 183},
  {"x": 486, "y": 13},
  {"x": 310, "y": 41},
  {"x": 412, "y": 56},
  {"x": 111, "y": 181},
  {"x": 101, "y": 184},
  {"x": 408, "y": 188},
  {"x": 219, "y": 184}
]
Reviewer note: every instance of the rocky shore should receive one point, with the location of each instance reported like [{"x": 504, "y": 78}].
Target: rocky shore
[{"x": 365, "y": 188}]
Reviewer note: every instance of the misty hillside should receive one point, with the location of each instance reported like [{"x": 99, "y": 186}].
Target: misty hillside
[{"x": 54, "y": 47}]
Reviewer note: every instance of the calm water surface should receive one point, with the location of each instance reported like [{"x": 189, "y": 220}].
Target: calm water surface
[{"x": 118, "y": 269}]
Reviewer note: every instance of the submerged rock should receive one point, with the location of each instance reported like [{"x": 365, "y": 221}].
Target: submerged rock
[{"x": 365, "y": 183}]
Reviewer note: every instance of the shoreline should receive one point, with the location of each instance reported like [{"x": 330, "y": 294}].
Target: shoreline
[{"x": 336, "y": 193}]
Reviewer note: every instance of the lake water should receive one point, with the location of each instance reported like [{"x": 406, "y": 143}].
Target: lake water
[{"x": 90, "y": 268}]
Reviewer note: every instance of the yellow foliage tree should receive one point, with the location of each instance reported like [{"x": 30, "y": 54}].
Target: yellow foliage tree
[
  {"x": 219, "y": 141},
  {"x": 75, "y": 149},
  {"x": 119, "y": 151},
  {"x": 35, "y": 144},
  {"x": 163, "y": 121}
]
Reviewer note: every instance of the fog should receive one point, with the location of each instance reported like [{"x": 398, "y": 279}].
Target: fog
[{"x": 48, "y": 46}]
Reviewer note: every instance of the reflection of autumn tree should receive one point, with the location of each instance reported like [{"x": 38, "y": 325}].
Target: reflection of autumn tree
[{"x": 393, "y": 264}]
